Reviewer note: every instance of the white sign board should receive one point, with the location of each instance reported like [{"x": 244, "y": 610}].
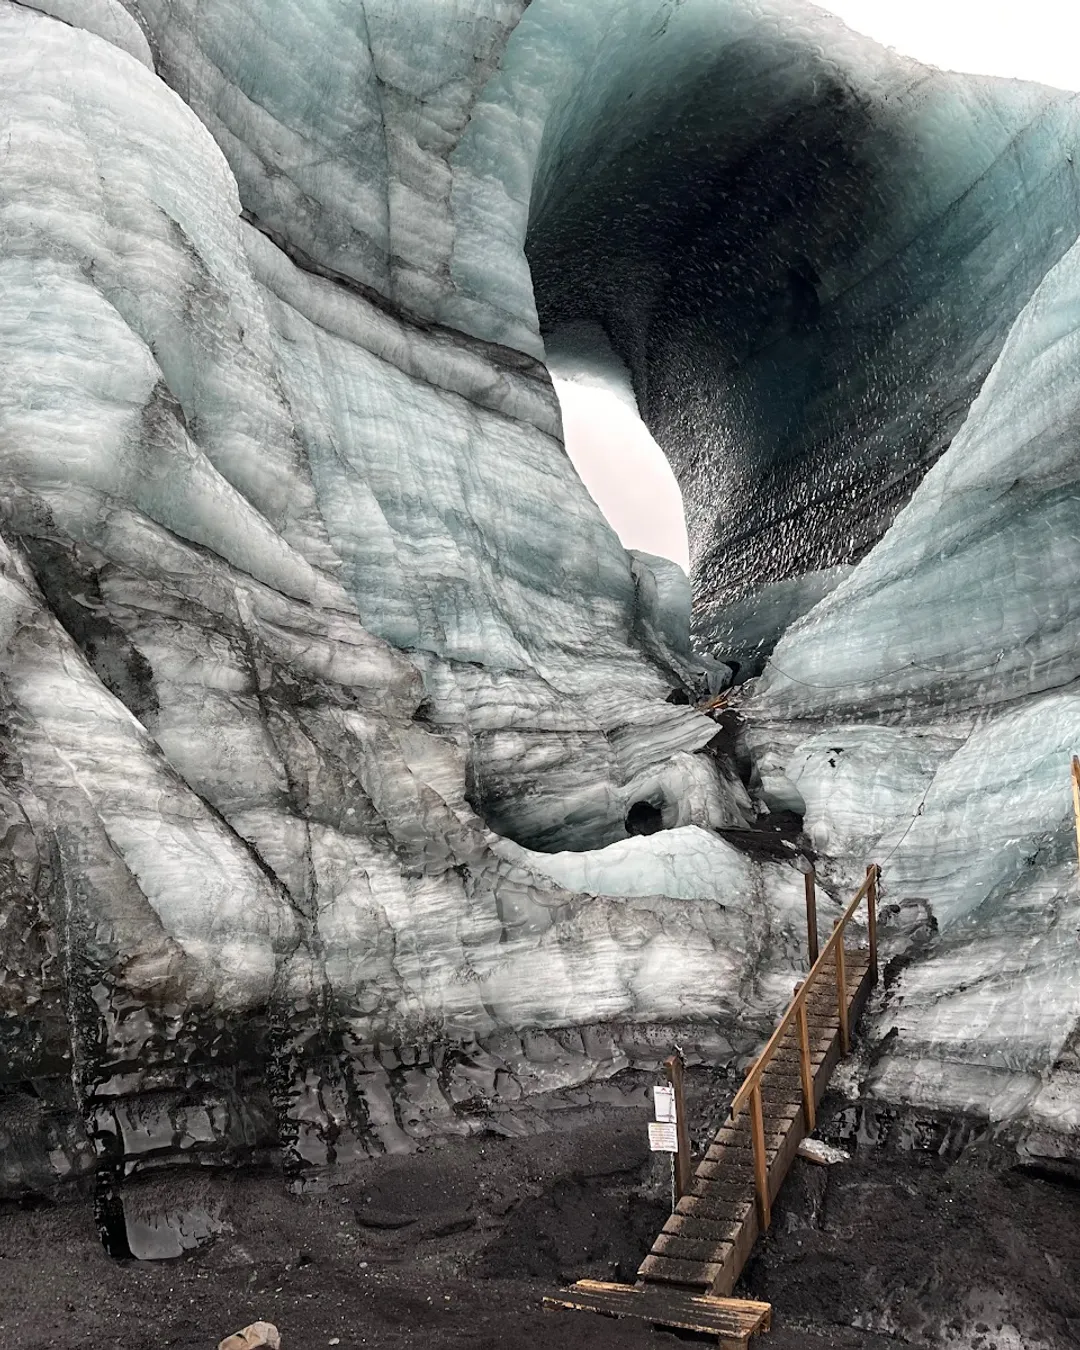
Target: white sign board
[
  {"x": 663, "y": 1136},
  {"x": 664, "y": 1104}
]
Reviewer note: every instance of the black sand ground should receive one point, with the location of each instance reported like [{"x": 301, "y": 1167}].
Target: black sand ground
[{"x": 456, "y": 1246}]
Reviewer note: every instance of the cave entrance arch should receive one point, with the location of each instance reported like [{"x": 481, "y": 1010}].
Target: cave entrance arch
[{"x": 770, "y": 220}]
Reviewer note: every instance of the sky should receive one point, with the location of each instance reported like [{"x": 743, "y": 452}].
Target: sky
[
  {"x": 624, "y": 469},
  {"x": 619, "y": 462},
  {"x": 1025, "y": 39}
]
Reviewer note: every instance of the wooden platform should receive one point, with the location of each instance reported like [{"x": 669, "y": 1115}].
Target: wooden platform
[
  {"x": 707, "y": 1241},
  {"x": 731, "y": 1321}
]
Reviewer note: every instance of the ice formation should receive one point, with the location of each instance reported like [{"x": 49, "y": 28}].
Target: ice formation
[
  {"x": 292, "y": 624},
  {"x": 960, "y": 631},
  {"x": 327, "y": 686}
]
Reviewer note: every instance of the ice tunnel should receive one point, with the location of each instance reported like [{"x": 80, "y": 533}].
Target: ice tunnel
[{"x": 353, "y": 784}]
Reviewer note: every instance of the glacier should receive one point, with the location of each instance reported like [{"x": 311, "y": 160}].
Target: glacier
[{"x": 328, "y": 689}]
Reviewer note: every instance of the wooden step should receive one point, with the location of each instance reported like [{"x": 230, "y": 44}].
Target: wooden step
[
  {"x": 712, "y": 1209},
  {"x": 724, "y": 1159},
  {"x": 733, "y": 1321},
  {"x": 736, "y": 1165},
  {"x": 707, "y": 1251},
  {"x": 779, "y": 1104},
  {"x": 697, "y": 1275},
  {"x": 720, "y": 1189},
  {"x": 698, "y": 1229},
  {"x": 785, "y": 1065},
  {"x": 737, "y": 1135}
]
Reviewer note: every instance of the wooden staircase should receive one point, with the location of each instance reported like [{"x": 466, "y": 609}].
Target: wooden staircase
[{"x": 687, "y": 1278}]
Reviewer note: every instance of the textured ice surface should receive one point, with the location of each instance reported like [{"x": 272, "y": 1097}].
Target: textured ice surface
[
  {"x": 971, "y": 600},
  {"x": 734, "y": 910},
  {"x": 326, "y": 686},
  {"x": 338, "y": 120},
  {"x": 961, "y": 628},
  {"x": 806, "y": 329},
  {"x": 974, "y": 819},
  {"x": 295, "y": 584},
  {"x": 107, "y": 18}
]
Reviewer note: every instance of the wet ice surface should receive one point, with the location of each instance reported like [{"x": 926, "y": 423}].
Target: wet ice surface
[{"x": 287, "y": 604}]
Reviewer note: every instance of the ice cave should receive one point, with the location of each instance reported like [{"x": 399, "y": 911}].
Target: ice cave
[{"x": 356, "y": 784}]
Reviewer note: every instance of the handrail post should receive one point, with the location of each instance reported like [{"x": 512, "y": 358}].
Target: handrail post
[
  {"x": 1076, "y": 801},
  {"x": 833, "y": 949},
  {"x": 811, "y": 915},
  {"x": 805, "y": 1071},
  {"x": 761, "y": 1168},
  {"x": 871, "y": 917},
  {"x": 673, "y": 1072},
  {"x": 841, "y": 992}
]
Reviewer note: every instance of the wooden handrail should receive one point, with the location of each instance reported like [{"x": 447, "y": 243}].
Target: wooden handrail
[
  {"x": 841, "y": 998},
  {"x": 749, "y": 1094},
  {"x": 773, "y": 1043},
  {"x": 806, "y": 1073},
  {"x": 1076, "y": 801}
]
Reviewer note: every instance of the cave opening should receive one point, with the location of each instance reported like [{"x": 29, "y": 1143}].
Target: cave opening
[
  {"x": 703, "y": 218},
  {"x": 625, "y": 471},
  {"x": 778, "y": 250},
  {"x": 644, "y": 817}
]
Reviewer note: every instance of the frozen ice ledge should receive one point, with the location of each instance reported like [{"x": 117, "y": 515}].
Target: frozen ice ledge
[{"x": 327, "y": 688}]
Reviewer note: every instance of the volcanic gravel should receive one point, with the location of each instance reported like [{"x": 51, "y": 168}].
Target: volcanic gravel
[{"x": 909, "y": 1244}]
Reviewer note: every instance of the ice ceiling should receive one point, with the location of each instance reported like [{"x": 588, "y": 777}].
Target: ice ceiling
[{"x": 328, "y": 690}]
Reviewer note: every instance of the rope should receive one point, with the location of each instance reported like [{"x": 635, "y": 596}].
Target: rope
[
  {"x": 911, "y": 822},
  {"x": 922, "y": 799},
  {"x": 885, "y": 675}
]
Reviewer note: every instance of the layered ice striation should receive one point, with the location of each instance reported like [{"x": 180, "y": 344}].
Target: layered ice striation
[
  {"x": 304, "y": 607},
  {"x": 945, "y": 667},
  {"x": 328, "y": 689}
]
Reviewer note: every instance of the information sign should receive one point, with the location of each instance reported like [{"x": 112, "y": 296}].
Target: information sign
[
  {"x": 663, "y": 1136},
  {"x": 664, "y": 1105}
]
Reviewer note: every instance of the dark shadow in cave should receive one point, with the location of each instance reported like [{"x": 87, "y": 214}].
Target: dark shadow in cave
[
  {"x": 805, "y": 326},
  {"x": 644, "y": 818}
]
